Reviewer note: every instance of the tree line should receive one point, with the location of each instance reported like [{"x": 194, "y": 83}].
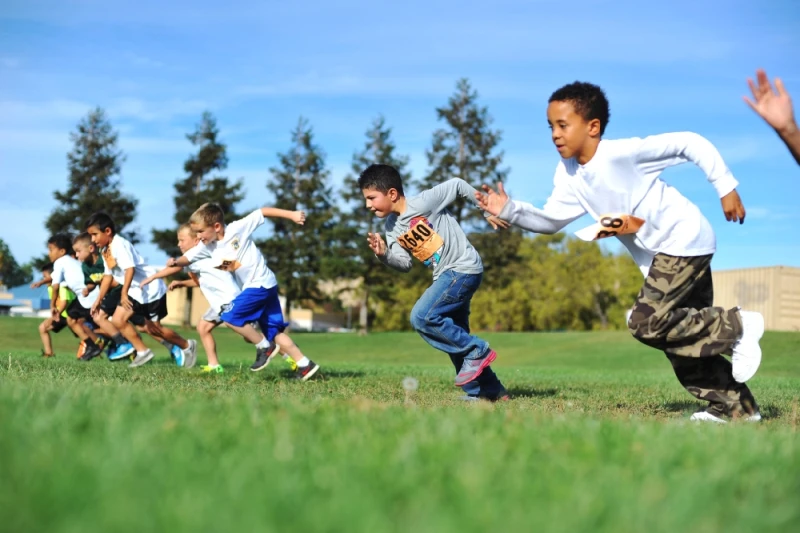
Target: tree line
[{"x": 530, "y": 282}]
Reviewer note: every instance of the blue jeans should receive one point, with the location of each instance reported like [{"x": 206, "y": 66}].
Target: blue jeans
[{"x": 441, "y": 317}]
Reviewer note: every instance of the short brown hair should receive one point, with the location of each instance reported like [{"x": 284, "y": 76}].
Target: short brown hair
[
  {"x": 186, "y": 226},
  {"x": 208, "y": 214},
  {"x": 84, "y": 237}
]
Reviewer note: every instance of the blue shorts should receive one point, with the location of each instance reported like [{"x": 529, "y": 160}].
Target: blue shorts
[{"x": 256, "y": 305}]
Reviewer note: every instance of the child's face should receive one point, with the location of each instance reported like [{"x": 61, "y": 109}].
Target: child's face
[
  {"x": 186, "y": 240},
  {"x": 570, "y": 131},
  {"x": 83, "y": 250},
  {"x": 54, "y": 252},
  {"x": 99, "y": 238},
  {"x": 380, "y": 203},
  {"x": 205, "y": 233}
]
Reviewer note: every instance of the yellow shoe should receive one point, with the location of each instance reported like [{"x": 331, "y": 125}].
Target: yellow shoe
[
  {"x": 206, "y": 369},
  {"x": 289, "y": 361}
]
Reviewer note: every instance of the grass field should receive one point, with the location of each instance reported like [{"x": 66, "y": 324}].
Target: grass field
[{"x": 595, "y": 439}]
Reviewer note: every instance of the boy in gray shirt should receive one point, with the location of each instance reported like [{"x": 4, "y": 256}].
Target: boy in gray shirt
[{"x": 423, "y": 227}]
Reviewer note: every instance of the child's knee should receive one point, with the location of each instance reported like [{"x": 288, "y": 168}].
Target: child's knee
[{"x": 640, "y": 324}]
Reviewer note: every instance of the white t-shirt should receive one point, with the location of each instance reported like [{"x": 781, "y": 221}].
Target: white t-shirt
[
  {"x": 237, "y": 253},
  {"x": 623, "y": 177},
  {"x": 68, "y": 271},
  {"x": 119, "y": 256},
  {"x": 218, "y": 286}
]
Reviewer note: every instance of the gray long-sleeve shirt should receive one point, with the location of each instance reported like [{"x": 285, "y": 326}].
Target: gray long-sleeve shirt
[{"x": 429, "y": 232}]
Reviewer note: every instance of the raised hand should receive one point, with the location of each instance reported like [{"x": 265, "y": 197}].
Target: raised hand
[
  {"x": 376, "y": 244},
  {"x": 298, "y": 217},
  {"x": 491, "y": 201},
  {"x": 773, "y": 105},
  {"x": 733, "y": 208}
]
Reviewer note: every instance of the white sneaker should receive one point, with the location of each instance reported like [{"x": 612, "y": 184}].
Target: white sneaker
[
  {"x": 747, "y": 352},
  {"x": 705, "y": 416},
  {"x": 190, "y": 354},
  {"x": 142, "y": 359},
  {"x": 753, "y": 418}
]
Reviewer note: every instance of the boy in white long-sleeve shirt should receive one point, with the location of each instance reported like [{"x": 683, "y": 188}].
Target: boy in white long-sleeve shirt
[{"x": 617, "y": 183}]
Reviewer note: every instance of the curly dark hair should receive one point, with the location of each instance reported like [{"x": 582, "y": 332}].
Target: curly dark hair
[
  {"x": 589, "y": 100},
  {"x": 62, "y": 241}
]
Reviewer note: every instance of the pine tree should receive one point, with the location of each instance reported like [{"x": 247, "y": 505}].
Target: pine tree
[
  {"x": 11, "y": 273},
  {"x": 94, "y": 183},
  {"x": 197, "y": 187},
  {"x": 356, "y": 220},
  {"x": 301, "y": 256},
  {"x": 465, "y": 148}
]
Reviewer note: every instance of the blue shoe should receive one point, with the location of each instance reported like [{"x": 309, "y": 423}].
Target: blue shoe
[
  {"x": 177, "y": 354},
  {"x": 121, "y": 352}
]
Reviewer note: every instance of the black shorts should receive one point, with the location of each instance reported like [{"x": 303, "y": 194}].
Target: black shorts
[
  {"x": 76, "y": 311},
  {"x": 110, "y": 302},
  {"x": 59, "y": 324},
  {"x": 153, "y": 311}
]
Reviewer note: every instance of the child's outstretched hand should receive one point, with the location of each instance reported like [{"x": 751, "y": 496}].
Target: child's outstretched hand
[
  {"x": 773, "y": 105},
  {"x": 733, "y": 208},
  {"x": 497, "y": 223},
  {"x": 174, "y": 285},
  {"x": 171, "y": 262},
  {"x": 298, "y": 217},
  {"x": 376, "y": 244},
  {"x": 491, "y": 201}
]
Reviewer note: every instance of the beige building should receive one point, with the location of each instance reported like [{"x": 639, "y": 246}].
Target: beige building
[{"x": 772, "y": 291}]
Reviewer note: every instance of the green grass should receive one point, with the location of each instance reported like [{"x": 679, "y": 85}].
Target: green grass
[{"x": 596, "y": 439}]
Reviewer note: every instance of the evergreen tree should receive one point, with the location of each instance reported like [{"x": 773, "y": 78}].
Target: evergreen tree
[
  {"x": 11, "y": 273},
  {"x": 465, "y": 148},
  {"x": 94, "y": 183},
  {"x": 301, "y": 256},
  {"x": 197, "y": 187},
  {"x": 356, "y": 220}
]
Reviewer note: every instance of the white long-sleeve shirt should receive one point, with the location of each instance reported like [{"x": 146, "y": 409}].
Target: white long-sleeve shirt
[{"x": 623, "y": 177}]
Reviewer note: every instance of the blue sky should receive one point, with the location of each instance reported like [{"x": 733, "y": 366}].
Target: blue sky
[{"x": 258, "y": 66}]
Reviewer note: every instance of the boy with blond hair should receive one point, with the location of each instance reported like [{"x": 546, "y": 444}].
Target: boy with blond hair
[{"x": 233, "y": 250}]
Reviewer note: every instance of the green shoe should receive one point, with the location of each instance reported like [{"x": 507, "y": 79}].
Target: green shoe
[{"x": 212, "y": 369}]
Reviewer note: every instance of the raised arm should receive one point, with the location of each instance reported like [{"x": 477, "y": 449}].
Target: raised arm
[
  {"x": 775, "y": 107},
  {"x": 560, "y": 209},
  {"x": 298, "y": 217}
]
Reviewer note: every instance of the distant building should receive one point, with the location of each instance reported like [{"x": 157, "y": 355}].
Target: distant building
[{"x": 772, "y": 291}]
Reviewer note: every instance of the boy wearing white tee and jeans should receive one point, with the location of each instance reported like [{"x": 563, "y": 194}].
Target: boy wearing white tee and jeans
[
  {"x": 233, "y": 250},
  {"x": 617, "y": 183},
  {"x": 142, "y": 306}
]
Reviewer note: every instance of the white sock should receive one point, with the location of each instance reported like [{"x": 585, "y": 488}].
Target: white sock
[
  {"x": 167, "y": 345},
  {"x": 142, "y": 353},
  {"x": 303, "y": 362},
  {"x": 263, "y": 345}
]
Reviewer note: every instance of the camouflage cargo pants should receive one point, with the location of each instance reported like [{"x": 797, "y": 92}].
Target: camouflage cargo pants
[{"x": 674, "y": 312}]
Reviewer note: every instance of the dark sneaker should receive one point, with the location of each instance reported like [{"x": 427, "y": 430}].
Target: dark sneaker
[
  {"x": 304, "y": 373},
  {"x": 472, "y": 368},
  {"x": 264, "y": 356},
  {"x": 91, "y": 351}
]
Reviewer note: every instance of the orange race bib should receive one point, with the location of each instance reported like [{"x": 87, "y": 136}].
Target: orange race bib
[
  {"x": 229, "y": 265},
  {"x": 108, "y": 258},
  {"x": 610, "y": 226},
  {"x": 423, "y": 243}
]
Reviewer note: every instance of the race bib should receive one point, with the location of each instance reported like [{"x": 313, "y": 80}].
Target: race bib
[
  {"x": 423, "y": 243},
  {"x": 610, "y": 226},
  {"x": 229, "y": 265},
  {"x": 108, "y": 258}
]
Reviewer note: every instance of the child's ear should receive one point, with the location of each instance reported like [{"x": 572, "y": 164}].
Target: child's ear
[
  {"x": 594, "y": 127},
  {"x": 393, "y": 194}
]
